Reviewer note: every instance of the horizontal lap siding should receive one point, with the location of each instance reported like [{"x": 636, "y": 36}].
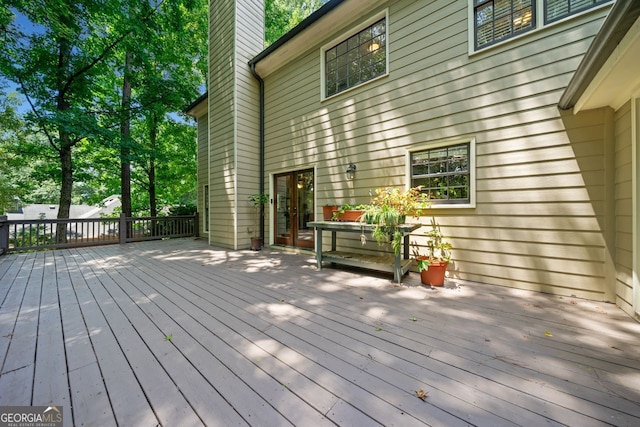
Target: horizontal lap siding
[
  {"x": 540, "y": 211},
  {"x": 221, "y": 129},
  {"x": 623, "y": 196}
]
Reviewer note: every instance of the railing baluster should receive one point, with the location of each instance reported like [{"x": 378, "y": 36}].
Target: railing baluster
[{"x": 40, "y": 234}]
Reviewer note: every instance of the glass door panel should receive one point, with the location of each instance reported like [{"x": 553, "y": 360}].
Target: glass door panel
[
  {"x": 304, "y": 199},
  {"x": 283, "y": 209},
  {"x": 294, "y": 208}
]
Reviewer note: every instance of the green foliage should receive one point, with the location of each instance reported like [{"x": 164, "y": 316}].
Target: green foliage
[
  {"x": 438, "y": 248},
  {"x": 68, "y": 66},
  {"x": 182, "y": 210},
  {"x": 388, "y": 209},
  {"x": 258, "y": 200},
  {"x": 280, "y": 16}
]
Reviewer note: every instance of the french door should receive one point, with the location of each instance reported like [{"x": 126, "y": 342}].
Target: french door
[{"x": 294, "y": 208}]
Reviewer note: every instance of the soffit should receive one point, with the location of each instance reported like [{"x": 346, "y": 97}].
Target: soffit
[
  {"x": 618, "y": 78},
  {"x": 348, "y": 12}
]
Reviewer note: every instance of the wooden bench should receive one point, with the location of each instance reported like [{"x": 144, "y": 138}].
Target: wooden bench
[{"x": 397, "y": 264}]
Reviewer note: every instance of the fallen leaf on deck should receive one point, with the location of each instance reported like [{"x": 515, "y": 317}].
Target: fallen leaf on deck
[
  {"x": 422, "y": 395},
  {"x": 547, "y": 333}
]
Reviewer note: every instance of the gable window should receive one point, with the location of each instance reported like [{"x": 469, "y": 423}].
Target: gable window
[
  {"x": 359, "y": 58},
  {"x": 497, "y": 20},
  {"x": 445, "y": 173},
  {"x": 558, "y": 9}
]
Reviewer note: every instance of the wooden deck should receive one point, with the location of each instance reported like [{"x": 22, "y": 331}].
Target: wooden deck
[{"x": 177, "y": 333}]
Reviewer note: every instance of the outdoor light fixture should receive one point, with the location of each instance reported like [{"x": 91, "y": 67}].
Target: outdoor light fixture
[
  {"x": 373, "y": 46},
  {"x": 351, "y": 171}
]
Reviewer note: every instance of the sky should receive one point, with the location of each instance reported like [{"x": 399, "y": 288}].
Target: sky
[{"x": 23, "y": 23}]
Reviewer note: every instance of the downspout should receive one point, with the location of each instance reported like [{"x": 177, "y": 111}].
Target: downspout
[{"x": 252, "y": 66}]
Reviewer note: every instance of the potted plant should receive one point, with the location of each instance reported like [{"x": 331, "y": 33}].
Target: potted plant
[
  {"x": 349, "y": 213},
  {"x": 258, "y": 200},
  {"x": 390, "y": 208},
  {"x": 433, "y": 266},
  {"x": 327, "y": 212}
]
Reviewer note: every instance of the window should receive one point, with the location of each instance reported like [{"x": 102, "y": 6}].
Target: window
[
  {"x": 494, "y": 21},
  {"x": 497, "y": 20},
  {"x": 558, "y": 9},
  {"x": 358, "y": 59},
  {"x": 445, "y": 173}
]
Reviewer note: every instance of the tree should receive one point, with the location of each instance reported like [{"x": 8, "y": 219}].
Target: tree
[
  {"x": 54, "y": 63},
  {"x": 10, "y": 134},
  {"x": 74, "y": 63},
  {"x": 280, "y": 16}
]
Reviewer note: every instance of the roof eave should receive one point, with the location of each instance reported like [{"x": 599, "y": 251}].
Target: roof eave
[
  {"x": 621, "y": 17},
  {"x": 192, "y": 109}
]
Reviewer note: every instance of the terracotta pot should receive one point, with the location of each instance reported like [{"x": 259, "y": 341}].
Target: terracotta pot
[
  {"x": 435, "y": 274},
  {"x": 350, "y": 215},
  {"x": 327, "y": 212},
  {"x": 256, "y": 243}
]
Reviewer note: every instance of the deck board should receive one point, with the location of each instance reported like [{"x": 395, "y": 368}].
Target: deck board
[
  {"x": 51, "y": 385},
  {"x": 17, "y": 372},
  {"x": 267, "y": 339}
]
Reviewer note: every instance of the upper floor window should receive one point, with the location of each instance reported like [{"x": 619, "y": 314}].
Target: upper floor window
[
  {"x": 558, "y": 9},
  {"x": 497, "y": 20},
  {"x": 445, "y": 173},
  {"x": 361, "y": 57}
]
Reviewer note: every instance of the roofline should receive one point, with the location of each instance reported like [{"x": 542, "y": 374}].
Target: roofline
[
  {"x": 195, "y": 103},
  {"x": 621, "y": 17},
  {"x": 303, "y": 25}
]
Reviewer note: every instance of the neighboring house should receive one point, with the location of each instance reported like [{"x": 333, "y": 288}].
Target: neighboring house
[
  {"x": 520, "y": 116},
  {"x": 40, "y": 211}
]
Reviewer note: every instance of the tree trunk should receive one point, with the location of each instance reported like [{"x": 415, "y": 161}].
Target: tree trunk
[
  {"x": 65, "y": 144},
  {"x": 125, "y": 131},
  {"x": 66, "y": 186}
]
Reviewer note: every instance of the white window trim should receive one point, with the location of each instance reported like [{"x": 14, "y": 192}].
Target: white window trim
[
  {"x": 374, "y": 18},
  {"x": 472, "y": 168},
  {"x": 539, "y": 25}
]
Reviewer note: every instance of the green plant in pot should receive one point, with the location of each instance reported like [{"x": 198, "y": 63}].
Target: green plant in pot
[
  {"x": 390, "y": 208},
  {"x": 433, "y": 266},
  {"x": 348, "y": 212},
  {"x": 258, "y": 200}
]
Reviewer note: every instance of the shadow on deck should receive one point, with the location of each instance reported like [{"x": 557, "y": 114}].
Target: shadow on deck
[{"x": 180, "y": 333}]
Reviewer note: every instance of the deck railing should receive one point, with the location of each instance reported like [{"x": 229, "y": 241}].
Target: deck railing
[{"x": 37, "y": 234}]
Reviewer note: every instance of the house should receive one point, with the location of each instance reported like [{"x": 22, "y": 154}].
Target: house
[
  {"x": 520, "y": 117},
  {"x": 43, "y": 211}
]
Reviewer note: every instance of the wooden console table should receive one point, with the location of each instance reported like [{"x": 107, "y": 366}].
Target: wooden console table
[{"x": 396, "y": 264}]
